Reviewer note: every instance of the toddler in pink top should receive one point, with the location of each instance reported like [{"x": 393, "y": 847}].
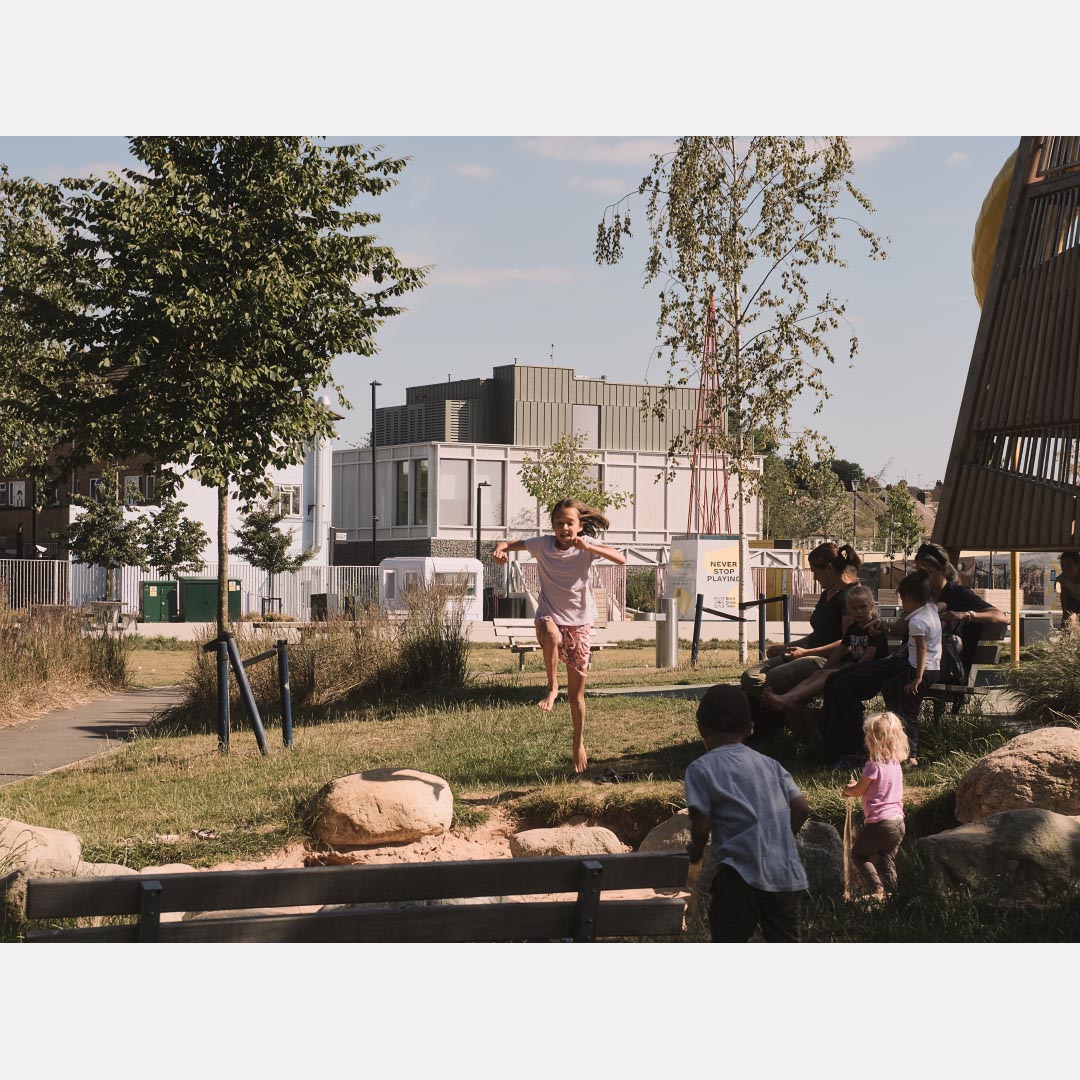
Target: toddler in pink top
[
  {"x": 566, "y": 609},
  {"x": 881, "y": 789}
]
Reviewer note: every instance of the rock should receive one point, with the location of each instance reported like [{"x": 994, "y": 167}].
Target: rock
[
  {"x": 1037, "y": 769},
  {"x": 566, "y": 840},
  {"x": 670, "y": 835},
  {"x": 42, "y": 852},
  {"x": 382, "y": 806},
  {"x": 1018, "y": 855},
  {"x": 822, "y": 852},
  {"x": 102, "y": 869}
]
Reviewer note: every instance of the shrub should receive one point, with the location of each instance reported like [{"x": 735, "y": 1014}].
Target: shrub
[
  {"x": 366, "y": 658},
  {"x": 641, "y": 588},
  {"x": 46, "y": 659},
  {"x": 1047, "y": 685}
]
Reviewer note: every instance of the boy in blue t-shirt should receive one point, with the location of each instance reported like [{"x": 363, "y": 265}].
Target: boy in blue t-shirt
[{"x": 752, "y": 808}]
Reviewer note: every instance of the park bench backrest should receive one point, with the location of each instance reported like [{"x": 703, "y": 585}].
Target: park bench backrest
[{"x": 582, "y": 919}]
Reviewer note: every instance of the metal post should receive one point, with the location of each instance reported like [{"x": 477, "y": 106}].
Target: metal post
[
  {"x": 588, "y": 900},
  {"x": 854, "y": 512},
  {"x": 697, "y": 630},
  {"x": 245, "y": 693},
  {"x": 223, "y": 694},
  {"x": 374, "y": 443},
  {"x": 286, "y": 692},
  {"x": 667, "y": 633},
  {"x": 761, "y": 625},
  {"x": 479, "y": 489},
  {"x": 785, "y": 604}
]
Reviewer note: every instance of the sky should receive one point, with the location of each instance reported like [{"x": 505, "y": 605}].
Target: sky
[{"x": 508, "y": 224}]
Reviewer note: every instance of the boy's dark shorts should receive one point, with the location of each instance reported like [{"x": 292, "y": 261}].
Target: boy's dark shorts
[{"x": 738, "y": 909}]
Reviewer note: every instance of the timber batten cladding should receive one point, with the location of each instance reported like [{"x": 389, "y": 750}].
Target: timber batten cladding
[
  {"x": 534, "y": 405},
  {"x": 1013, "y": 479}
]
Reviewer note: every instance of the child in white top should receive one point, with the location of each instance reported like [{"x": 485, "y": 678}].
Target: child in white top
[
  {"x": 566, "y": 609},
  {"x": 904, "y": 692}
]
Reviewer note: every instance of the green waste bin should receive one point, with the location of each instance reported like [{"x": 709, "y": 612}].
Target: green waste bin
[
  {"x": 198, "y": 599},
  {"x": 160, "y": 601}
]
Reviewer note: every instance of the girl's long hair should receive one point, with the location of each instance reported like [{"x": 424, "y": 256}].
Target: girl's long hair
[
  {"x": 593, "y": 523},
  {"x": 885, "y": 738}
]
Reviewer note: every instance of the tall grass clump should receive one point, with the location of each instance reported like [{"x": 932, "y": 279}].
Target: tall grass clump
[
  {"x": 1047, "y": 685},
  {"x": 345, "y": 660},
  {"x": 47, "y": 659}
]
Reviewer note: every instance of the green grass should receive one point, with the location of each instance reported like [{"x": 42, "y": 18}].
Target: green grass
[{"x": 495, "y": 748}]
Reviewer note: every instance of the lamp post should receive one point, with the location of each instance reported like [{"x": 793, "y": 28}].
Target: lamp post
[
  {"x": 479, "y": 497},
  {"x": 374, "y": 442},
  {"x": 854, "y": 512}
]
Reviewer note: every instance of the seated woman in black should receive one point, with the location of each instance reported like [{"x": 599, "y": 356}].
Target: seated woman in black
[
  {"x": 962, "y": 612},
  {"x": 836, "y": 570}
]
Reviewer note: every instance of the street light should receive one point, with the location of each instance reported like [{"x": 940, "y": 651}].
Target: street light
[
  {"x": 374, "y": 442},
  {"x": 479, "y": 497},
  {"x": 854, "y": 512}
]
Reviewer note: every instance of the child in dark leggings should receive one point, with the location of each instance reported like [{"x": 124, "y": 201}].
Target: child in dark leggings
[{"x": 881, "y": 788}]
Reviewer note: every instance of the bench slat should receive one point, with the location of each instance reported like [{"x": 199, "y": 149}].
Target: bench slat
[
  {"x": 542, "y": 920},
  {"x": 49, "y": 898}
]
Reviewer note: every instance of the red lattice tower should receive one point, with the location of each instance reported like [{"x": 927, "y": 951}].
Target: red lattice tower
[{"x": 708, "y": 474}]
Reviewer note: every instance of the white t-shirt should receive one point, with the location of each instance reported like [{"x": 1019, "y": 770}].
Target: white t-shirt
[
  {"x": 565, "y": 595},
  {"x": 925, "y": 623}
]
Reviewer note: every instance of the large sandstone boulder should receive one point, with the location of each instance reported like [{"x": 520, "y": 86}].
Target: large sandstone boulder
[
  {"x": 41, "y": 852},
  {"x": 1018, "y": 855},
  {"x": 566, "y": 840},
  {"x": 382, "y": 806},
  {"x": 102, "y": 869},
  {"x": 1037, "y": 769},
  {"x": 169, "y": 868},
  {"x": 670, "y": 835}
]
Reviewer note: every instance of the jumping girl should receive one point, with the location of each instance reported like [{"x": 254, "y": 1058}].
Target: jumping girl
[
  {"x": 566, "y": 611},
  {"x": 881, "y": 788}
]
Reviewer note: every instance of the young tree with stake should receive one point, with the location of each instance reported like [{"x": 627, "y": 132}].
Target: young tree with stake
[{"x": 744, "y": 221}]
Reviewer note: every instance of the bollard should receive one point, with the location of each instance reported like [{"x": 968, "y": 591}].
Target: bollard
[
  {"x": 245, "y": 693},
  {"x": 667, "y": 633},
  {"x": 785, "y": 603},
  {"x": 697, "y": 630},
  {"x": 761, "y": 625}
]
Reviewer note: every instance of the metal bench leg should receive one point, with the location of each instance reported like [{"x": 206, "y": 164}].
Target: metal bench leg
[
  {"x": 521, "y": 661},
  {"x": 588, "y": 901}
]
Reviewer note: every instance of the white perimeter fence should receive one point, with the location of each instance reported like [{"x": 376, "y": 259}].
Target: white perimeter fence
[{"x": 49, "y": 581}]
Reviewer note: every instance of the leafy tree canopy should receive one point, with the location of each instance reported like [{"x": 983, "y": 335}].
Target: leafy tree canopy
[{"x": 264, "y": 545}]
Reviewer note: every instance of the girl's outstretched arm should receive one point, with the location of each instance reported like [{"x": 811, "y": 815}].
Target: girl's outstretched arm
[
  {"x": 503, "y": 546},
  {"x": 609, "y": 553}
]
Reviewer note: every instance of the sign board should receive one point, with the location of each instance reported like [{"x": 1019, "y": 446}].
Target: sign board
[{"x": 708, "y": 565}]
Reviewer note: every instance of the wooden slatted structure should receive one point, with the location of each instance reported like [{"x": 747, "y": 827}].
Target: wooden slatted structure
[{"x": 1013, "y": 478}]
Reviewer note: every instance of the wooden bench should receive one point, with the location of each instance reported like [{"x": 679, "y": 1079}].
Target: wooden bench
[
  {"x": 519, "y": 636},
  {"x": 374, "y": 895}
]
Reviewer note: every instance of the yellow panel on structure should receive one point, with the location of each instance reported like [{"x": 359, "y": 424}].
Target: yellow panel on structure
[{"x": 988, "y": 228}]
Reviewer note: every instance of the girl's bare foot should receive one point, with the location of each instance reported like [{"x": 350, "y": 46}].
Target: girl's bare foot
[
  {"x": 548, "y": 700},
  {"x": 581, "y": 759}
]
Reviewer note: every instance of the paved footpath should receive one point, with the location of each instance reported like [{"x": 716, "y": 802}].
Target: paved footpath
[{"x": 65, "y": 736}]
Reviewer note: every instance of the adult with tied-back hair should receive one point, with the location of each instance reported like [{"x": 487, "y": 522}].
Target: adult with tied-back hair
[
  {"x": 961, "y": 611},
  {"x": 835, "y": 569},
  {"x": 1069, "y": 587},
  {"x": 566, "y": 611}
]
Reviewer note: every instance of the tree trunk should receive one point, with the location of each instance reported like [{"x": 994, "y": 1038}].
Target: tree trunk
[{"x": 223, "y": 560}]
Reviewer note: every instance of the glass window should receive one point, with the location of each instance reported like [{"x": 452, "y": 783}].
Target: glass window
[
  {"x": 17, "y": 492},
  {"x": 138, "y": 488},
  {"x": 457, "y": 582},
  {"x": 401, "y": 493},
  {"x": 491, "y": 502},
  {"x": 454, "y": 501},
  {"x": 420, "y": 468},
  {"x": 288, "y": 499},
  {"x": 3, "y": 494}
]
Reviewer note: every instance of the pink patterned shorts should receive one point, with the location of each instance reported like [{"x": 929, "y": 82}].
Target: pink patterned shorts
[{"x": 574, "y": 648}]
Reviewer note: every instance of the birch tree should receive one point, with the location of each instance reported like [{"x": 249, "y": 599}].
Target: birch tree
[{"x": 745, "y": 221}]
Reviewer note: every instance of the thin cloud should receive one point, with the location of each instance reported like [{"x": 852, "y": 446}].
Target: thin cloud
[
  {"x": 602, "y": 185},
  {"x": 472, "y": 170},
  {"x": 101, "y": 169},
  {"x": 599, "y": 151},
  {"x": 957, "y": 157},
  {"x": 865, "y": 148},
  {"x": 475, "y": 277}
]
